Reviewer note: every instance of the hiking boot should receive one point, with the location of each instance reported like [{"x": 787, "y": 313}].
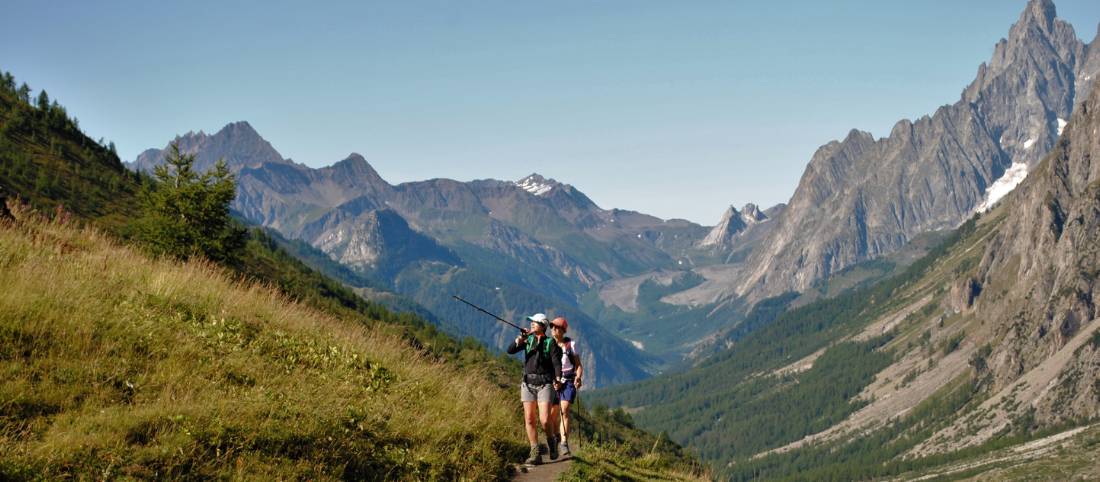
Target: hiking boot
[
  {"x": 534, "y": 457},
  {"x": 553, "y": 443},
  {"x": 564, "y": 449},
  {"x": 543, "y": 450}
]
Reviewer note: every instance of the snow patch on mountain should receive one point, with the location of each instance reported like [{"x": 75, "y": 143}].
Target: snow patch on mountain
[
  {"x": 1061, "y": 125},
  {"x": 1028, "y": 143},
  {"x": 536, "y": 184},
  {"x": 1003, "y": 185}
]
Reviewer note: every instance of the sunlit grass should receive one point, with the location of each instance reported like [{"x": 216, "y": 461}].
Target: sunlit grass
[
  {"x": 600, "y": 461},
  {"x": 113, "y": 364}
]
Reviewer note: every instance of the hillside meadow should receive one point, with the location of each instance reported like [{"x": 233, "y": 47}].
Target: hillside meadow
[{"x": 116, "y": 365}]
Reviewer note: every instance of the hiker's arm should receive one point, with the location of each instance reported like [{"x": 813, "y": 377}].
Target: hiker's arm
[{"x": 516, "y": 345}]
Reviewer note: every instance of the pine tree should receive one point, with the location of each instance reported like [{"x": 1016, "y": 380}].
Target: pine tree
[
  {"x": 24, "y": 93},
  {"x": 9, "y": 82},
  {"x": 187, "y": 213},
  {"x": 43, "y": 101}
]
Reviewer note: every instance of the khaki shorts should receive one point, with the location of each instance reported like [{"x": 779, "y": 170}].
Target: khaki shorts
[{"x": 536, "y": 393}]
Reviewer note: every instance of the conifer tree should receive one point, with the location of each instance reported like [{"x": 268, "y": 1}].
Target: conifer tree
[
  {"x": 43, "y": 101},
  {"x": 24, "y": 93},
  {"x": 186, "y": 214}
]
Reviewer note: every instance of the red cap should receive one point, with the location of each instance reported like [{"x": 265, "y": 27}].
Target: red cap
[{"x": 561, "y": 322}]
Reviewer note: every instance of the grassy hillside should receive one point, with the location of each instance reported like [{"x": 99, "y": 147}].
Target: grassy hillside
[
  {"x": 49, "y": 162},
  {"x": 119, "y": 365}
]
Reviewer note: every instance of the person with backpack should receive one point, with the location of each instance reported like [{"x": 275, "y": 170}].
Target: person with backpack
[
  {"x": 572, "y": 373},
  {"x": 541, "y": 375}
]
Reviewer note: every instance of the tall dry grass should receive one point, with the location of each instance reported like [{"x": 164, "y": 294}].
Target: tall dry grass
[{"x": 116, "y": 365}]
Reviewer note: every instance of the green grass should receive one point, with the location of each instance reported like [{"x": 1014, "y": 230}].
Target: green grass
[
  {"x": 606, "y": 446},
  {"x": 121, "y": 366},
  {"x": 615, "y": 462}
]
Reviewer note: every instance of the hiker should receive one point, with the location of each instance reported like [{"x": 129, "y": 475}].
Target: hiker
[
  {"x": 541, "y": 375},
  {"x": 571, "y": 374}
]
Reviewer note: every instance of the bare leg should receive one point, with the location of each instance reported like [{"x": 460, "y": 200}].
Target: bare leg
[
  {"x": 529, "y": 421},
  {"x": 544, "y": 416},
  {"x": 555, "y": 413},
  {"x": 565, "y": 421}
]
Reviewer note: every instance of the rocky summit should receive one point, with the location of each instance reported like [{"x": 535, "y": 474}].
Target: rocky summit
[
  {"x": 733, "y": 223},
  {"x": 237, "y": 143},
  {"x": 862, "y": 197}
]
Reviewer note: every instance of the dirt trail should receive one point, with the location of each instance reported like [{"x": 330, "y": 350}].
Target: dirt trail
[{"x": 549, "y": 471}]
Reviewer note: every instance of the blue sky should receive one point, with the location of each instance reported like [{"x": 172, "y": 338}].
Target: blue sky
[{"x": 676, "y": 109}]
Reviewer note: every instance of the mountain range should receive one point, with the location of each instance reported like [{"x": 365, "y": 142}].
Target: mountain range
[
  {"x": 990, "y": 341},
  {"x": 517, "y": 247},
  {"x": 657, "y": 289}
]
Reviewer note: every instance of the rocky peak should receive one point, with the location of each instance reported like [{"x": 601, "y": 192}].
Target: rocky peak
[
  {"x": 861, "y": 198},
  {"x": 237, "y": 143},
  {"x": 355, "y": 166},
  {"x": 1032, "y": 41},
  {"x": 537, "y": 185},
  {"x": 751, "y": 214},
  {"x": 1039, "y": 13},
  {"x": 240, "y": 130},
  {"x": 732, "y": 223}
]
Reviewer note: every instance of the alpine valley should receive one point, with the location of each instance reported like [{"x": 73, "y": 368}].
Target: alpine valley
[
  {"x": 981, "y": 358},
  {"x": 923, "y": 305}
]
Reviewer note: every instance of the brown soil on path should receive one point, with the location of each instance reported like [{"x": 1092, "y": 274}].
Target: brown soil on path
[{"x": 549, "y": 471}]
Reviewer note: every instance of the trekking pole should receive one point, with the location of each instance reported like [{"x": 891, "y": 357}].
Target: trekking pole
[{"x": 478, "y": 308}]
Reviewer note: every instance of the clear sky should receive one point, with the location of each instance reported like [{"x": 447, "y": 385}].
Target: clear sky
[{"x": 676, "y": 109}]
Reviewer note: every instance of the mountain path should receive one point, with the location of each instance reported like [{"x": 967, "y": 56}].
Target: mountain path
[{"x": 549, "y": 471}]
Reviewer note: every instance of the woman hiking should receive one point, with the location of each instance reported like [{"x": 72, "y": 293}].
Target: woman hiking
[
  {"x": 541, "y": 372},
  {"x": 571, "y": 374}
]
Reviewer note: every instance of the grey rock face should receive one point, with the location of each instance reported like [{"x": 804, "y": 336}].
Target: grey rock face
[
  {"x": 1047, "y": 256},
  {"x": 514, "y": 243},
  {"x": 722, "y": 234},
  {"x": 238, "y": 143},
  {"x": 286, "y": 196},
  {"x": 863, "y": 197},
  {"x": 376, "y": 241},
  {"x": 733, "y": 223}
]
